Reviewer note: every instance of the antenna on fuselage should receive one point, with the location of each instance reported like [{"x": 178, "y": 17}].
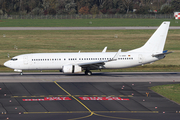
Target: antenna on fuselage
[{"x": 8, "y": 55}]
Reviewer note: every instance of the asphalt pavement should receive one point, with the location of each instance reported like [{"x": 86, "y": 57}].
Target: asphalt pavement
[{"x": 84, "y": 100}]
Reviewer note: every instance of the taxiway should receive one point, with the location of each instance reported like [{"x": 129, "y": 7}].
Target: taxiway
[
  {"x": 76, "y": 96},
  {"x": 96, "y": 77}
]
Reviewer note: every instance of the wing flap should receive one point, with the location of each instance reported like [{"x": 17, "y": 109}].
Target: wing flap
[{"x": 93, "y": 65}]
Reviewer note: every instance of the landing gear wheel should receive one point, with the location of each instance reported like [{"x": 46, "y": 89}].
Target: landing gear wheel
[
  {"x": 21, "y": 73},
  {"x": 87, "y": 72}
]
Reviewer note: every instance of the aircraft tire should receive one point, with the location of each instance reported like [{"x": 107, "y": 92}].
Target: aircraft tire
[
  {"x": 21, "y": 73},
  {"x": 87, "y": 72}
]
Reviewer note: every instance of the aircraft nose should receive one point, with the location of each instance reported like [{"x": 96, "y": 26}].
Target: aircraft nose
[{"x": 7, "y": 64}]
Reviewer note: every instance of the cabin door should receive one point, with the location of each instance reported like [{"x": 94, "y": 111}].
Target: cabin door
[
  {"x": 140, "y": 58},
  {"x": 25, "y": 60}
]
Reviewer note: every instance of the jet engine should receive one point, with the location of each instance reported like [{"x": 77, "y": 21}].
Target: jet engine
[{"x": 71, "y": 69}]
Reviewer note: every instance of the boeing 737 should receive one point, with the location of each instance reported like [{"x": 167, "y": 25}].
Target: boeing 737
[{"x": 150, "y": 52}]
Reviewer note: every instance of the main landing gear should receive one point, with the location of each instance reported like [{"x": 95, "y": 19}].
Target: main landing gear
[
  {"x": 88, "y": 72},
  {"x": 21, "y": 73}
]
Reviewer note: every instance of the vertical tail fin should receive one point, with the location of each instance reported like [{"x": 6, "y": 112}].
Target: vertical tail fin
[{"x": 157, "y": 41}]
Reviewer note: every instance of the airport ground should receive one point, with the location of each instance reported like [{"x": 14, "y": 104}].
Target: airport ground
[{"x": 106, "y": 96}]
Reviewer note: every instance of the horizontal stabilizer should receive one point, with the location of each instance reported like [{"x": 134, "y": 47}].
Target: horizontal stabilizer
[{"x": 164, "y": 53}]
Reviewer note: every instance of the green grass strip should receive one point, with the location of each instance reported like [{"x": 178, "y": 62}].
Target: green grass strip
[
  {"x": 113, "y": 22},
  {"x": 171, "y": 91}
]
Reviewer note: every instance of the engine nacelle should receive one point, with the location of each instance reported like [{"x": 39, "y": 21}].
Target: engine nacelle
[{"x": 71, "y": 69}]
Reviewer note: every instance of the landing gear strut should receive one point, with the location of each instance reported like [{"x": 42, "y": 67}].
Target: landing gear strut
[{"x": 88, "y": 72}]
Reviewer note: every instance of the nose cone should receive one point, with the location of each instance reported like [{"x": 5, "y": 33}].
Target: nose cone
[{"x": 7, "y": 64}]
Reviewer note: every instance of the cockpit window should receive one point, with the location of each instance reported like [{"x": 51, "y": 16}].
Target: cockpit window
[{"x": 14, "y": 59}]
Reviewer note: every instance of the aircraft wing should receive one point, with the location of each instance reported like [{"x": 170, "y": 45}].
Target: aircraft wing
[
  {"x": 93, "y": 65},
  {"x": 98, "y": 64}
]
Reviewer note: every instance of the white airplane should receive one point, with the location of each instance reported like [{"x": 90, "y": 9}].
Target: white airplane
[{"x": 150, "y": 52}]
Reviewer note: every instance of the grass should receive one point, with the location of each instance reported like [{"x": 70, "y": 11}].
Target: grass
[
  {"x": 171, "y": 91},
  {"x": 20, "y": 42},
  {"x": 83, "y": 22}
]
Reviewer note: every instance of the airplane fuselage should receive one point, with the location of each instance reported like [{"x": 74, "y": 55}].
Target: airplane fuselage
[{"x": 56, "y": 61}]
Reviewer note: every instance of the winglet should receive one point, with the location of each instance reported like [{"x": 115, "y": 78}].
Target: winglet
[
  {"x": 104, "y": 50},
  {"x": 116, "y": 56}
]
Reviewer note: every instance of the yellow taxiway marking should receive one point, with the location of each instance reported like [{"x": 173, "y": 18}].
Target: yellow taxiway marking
[
  {"x": 95, "y": 113},
  {"x": 126, "y": 111},
  {"x": 73, "y": 95},
  {"x": 56, "y": 112},
  {"x": 82, "y": 117},
  {"x": 92, "y": 112},
  {"x": 112, "y": 117},
  {"x": 40, "y": 96},
  {"x": 77, "y": 101}
]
